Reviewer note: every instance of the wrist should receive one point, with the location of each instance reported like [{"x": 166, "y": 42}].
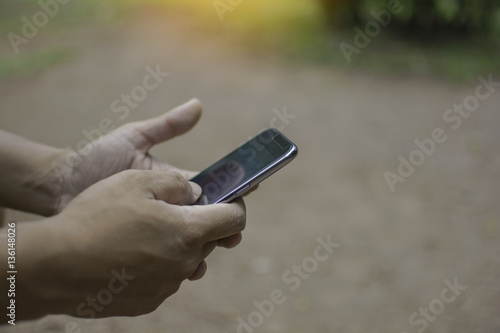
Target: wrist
[
  {"x": 39, "y": 273},
  {"x": 48, "y": 181},
  {"x": 32, "y": 184},
  {"x": 28, "y": 175}
]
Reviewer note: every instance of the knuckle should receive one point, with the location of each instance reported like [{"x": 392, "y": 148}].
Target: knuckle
[
  {"x": 178, "y": 181},
  {"x": 173, "y": 289},
  {"x": 176, "y": 176},
  {"x": 148, "y": 307},
  {"x": 240, "y": 221},
  {"x": 192, "y": 237}
]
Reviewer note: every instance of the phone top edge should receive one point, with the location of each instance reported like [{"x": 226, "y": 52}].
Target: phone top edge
[
  {"x": 274, "y": 130},
  {"x": 277, "y": 165}
]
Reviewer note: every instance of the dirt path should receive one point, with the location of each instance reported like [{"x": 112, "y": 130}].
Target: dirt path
[{"x": 398, "y": 251}]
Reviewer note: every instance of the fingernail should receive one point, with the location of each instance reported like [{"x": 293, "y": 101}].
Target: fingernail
[
  {"x": 189, "y": 106},
  {"x": 193, "y": 102},
  {"x": 196, "y": 189}
]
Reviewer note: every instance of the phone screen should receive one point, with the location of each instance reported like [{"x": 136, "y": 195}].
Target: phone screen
[{"x": 234, "y": 172}]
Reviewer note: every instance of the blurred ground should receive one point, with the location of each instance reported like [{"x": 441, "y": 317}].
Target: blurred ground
[{"x": 396, "y": 249}]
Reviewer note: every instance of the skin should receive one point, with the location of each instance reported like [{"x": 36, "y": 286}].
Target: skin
[{"x": 116, "y": 209}]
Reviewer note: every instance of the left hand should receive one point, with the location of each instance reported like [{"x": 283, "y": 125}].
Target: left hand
[{"x": 126, "y": 148}]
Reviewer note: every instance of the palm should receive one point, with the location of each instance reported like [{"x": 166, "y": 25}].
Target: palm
[{"x": 127, "y": 148}]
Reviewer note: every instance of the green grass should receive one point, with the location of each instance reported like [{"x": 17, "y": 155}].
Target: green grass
[{"x": 27, "y": 64}]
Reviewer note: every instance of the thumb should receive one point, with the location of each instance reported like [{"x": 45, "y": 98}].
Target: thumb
[
  {"x": 168, "y": 186},
  {"x": 171, "y": 124}
]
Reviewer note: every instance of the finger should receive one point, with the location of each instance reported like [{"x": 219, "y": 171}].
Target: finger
[
  {"x": 171, "y": 124},
  {"x": 200, "y": 271},
  {"x": 170, "y": 187},
  {"x": 217, "y": 221},
  {"x": 231, "y": 241}
]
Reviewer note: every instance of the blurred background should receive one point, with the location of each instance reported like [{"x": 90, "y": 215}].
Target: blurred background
[{"x": 354, "y": 84}]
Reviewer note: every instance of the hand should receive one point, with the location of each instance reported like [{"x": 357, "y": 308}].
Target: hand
[
  {"x": 135, "y": 225},
  {"x": 125, "y": 148}
]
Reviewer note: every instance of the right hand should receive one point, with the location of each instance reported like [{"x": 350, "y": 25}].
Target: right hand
[{"x": 137, "y": 224}]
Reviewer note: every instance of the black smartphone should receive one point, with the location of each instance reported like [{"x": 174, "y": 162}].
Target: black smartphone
[{"x": 245, "y": 167}]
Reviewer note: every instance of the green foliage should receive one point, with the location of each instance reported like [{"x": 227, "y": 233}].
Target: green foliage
[{"x": 433, "y": 16}]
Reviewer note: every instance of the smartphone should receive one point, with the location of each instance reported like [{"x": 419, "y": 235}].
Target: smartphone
[{"x": 245, "y": 167}]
